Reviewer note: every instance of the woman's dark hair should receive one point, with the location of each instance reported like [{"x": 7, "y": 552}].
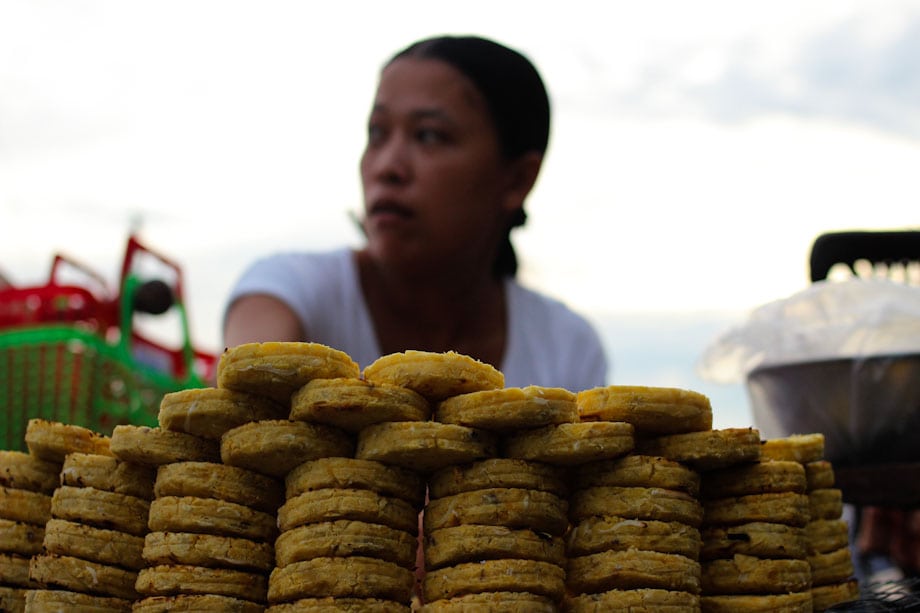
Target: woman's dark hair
[{"x": 516, "y": 99}]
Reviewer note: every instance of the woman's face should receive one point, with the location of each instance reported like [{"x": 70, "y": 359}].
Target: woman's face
[{"x": 436, "y": 187}]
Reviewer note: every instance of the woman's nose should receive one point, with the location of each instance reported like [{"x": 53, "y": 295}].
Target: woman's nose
[{"x": 390, "y": 160}]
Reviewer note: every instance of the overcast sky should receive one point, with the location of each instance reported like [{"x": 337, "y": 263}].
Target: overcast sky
[{"x": 697, "y": 148}]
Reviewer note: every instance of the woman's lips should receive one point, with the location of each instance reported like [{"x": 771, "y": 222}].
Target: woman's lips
[{"x": 389, "y": 210}]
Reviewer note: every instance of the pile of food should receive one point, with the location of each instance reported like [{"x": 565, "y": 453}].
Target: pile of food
[{"x": 301, "y": 483}]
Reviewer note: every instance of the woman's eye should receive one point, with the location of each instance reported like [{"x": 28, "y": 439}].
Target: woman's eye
[
  {"x": 430, "y": 136},
  {"x": 375, "y": 134}
]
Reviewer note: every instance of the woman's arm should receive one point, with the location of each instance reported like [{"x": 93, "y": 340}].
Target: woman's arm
[{"x": 258, "y": 318}]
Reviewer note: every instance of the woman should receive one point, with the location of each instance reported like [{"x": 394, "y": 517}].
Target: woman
[{"x": 456, "y": 138}]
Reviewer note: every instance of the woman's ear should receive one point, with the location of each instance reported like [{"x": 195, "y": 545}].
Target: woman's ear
[{"x": 522, "y": 174}]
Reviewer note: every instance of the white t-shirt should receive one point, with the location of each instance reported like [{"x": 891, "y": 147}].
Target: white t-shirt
[{"x": 548, "y": 344}]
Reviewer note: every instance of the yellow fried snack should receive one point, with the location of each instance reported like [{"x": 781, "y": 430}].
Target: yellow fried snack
[
  {"x": 758, "y": 539},
  {"x": 24, "y": 506},
  {"x": 611, "y": 533},
  {"x": 15, "y": 570},
  {"x": 424, "y": 446},
  {"x": 20, "y": 538},
  {"x": 832, "y": 567},
  {"x": 155, "y": 446},
  {"x": 509, "y": 507},
  {"x": 819, "y": 475},
  {"x": 52, "y": 440},
  {"x": 636, "y": 470},
  {"x": 826, "y": 535},
  {"x": 214, "y": 480},
  {"x": 352, "y": 473},
  {"x": 783, "y": 507},
  {"x": 509, "y": 575},
  {"x": 743, "y": 574},
  {"x": 509, "y": 409},
  {"x": 69, "y": 573},
  {"x": 208, "y": 412},
  {"x": 182, "y": 579},
  {"x": 826, "y": 596},
  {"x": 436, "y": 376},
  {"x": 64, "y": 600},
  {"x": 497, "y": 472},
  {"x": 275, "y": 447},
  {"x": 278, "y": 369},
  {"x": 331, "y": 504},
  {"x": 13, "y": 599},
  {"x": 825, "y": 503},
  {"x": 571, "y": 444},
  {"x": 352, "y": 577},
  {"x": 636, "y": 503},
  {"x": 801, "y": 448},
  {"x": 210, "y": 516},
  {"x": 343, "y": 538},
  {"x": 507, "y": 602},
  {"x": 632, "y": 569},
  {"x": 23, "y": 471},
  {"x": 108, "y": 473},
  {"x": 189, "y": 549},
  {"x": 647, "y": 600},
  {"x": 354, "y": 404},
  {"x": 794, "y": 602},
  {"x": 101, "y": 509},
  {"x": 473, "y": 542},
  {"x": 755, "y": 478},
  {"x": 706, "y": 450},
  {"x": 339, "y": 605},
  {"x": 197, "y": 603},
  {"x": 652, "y": 410},
  {"x": 113, "y": 547}
]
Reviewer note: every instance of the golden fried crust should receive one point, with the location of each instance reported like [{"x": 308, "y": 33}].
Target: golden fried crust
[
  {"x": 69, "y": 573},
  {"x": 749, "y": 575},
  {"x": 24, "y": 506},
  {"x": 473, "y": 542},
  {"x": 278, "y": 369},
  {"x": 354, "y": 404},
  {"x": 826, "y": 596},
  {"x": 652, "y": 410},
  {"x": 706, "y": 450},
  {"x": 15, "y": 570},
  {"x": 826, "y": 535},
  {"x": 214, "y": 480},
  {"x": 155, "y": 446},
  {"x": 424, "y": 446},
  {"x": 339, "y": 605},
  {"x": 63, "y": 600},
  {"x": 83, "y": 541},
  {"x": 331, "y": 504},
  {"x": 509, "y": 507},
  {"x": 197, "y": 603},
  {"x": 611, "y": 533},
  {"x": 23, "y": 471},
  {"x": 101, "y": 509},
  {"x": 755, "y": 478},
  {"x": 507, "y": 602},
  {"x": 20, "y": 538},
  {"x": 108, "y": 473},
  {"x": 795, "y": 602},
  {"x": 759, "y": 539},
  {"x": 186, "y": 548},
  {"x": 210, "y": 516},
  {"x": 436, "y": 376},
  {"x": 637, "y": 471},
  {"x": 509, "y": 575},
  {"x": 819, "y": 475},
  {"x": 571, "y": 444},
  {"x": 177, "y": 579},
  {"x": 352, "y": 577},
  {"x": 509, "y": 409},
  {"x": 352, "y": 473},
  {"x": 632, "y": 569},
  {"x": 51, "y": 441},
  {"x": 634, "y": 601},
  {"x": 343, "y": 538},
  {"x": 276, "y": 447},
  {"x": 13, "y": 599},
  {"x": 636, "y": 503},
  {"x": 825, "y": 503},
  {"x": 784, "y": 508},
  {"x": 832, "y": 567},
  {"x": 208, "y": 412},
  {"x": 801, "y": 448},
  {"x": 497, "y": 472}
]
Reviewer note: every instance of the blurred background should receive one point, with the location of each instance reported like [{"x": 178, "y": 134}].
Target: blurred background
[{"x": 697, "y": 149}]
